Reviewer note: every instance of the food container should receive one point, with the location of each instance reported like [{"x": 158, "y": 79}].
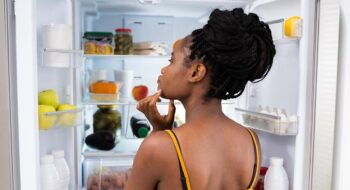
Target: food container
[
  {"x": 104, "y": 91},
  {"x": 106, "y": 118},
  {"x": 123, "y": 41},
  {"x": 57, "y": 36},
  {"x": 109, "y": 174},
  {"x": 98, "y": 43}
]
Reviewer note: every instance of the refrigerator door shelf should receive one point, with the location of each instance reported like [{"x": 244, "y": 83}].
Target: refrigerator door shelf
[
  {"x": 60, "y": 119},
  {"x": 268, "y": 123},
  {"x": 59, "y": 58}
]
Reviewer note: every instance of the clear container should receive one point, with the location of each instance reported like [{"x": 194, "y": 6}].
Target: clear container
[
  {"x": 98, "y": 43},
  {"x": 108, "y": 173},
  {"x": 60, "y": 119},
  {"x": 123, "y": 41}
]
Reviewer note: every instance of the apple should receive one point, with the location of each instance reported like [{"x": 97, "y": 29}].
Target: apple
[
  {"x": 49, "y": 98},
  {"x": 67, "y": 119},
  {"x": 46, "y": 122},
  {"x": 140, "y": 92}
]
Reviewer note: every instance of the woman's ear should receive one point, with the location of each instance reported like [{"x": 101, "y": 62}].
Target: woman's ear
[{"x": 198, "y": 72}]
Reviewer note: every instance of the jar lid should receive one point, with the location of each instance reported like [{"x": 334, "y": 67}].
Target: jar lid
[
  {"x": 123, "y": 30},
  {"x": 107, "y": 106},
  {"x": 98, "y": 35}
]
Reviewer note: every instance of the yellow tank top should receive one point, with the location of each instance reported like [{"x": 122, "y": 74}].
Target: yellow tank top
[{"x": 185, "y": 180}]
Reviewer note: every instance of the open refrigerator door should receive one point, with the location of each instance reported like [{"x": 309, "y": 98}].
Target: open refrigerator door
[{"x": 79, "y": 61}]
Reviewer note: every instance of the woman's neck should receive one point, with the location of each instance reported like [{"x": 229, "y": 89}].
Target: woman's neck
[{"x": 199, "y": 108}]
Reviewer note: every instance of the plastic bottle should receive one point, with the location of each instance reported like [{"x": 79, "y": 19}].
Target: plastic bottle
[
  {"x": 276, "y": 177},
  {"x": 140, "y": 127},
  {"x": 49, "y": 178},
  {"x": 260, "y": 184},
  {"x": 62, "y": 169}
]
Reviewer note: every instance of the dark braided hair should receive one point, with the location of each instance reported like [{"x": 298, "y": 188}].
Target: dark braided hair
[{"x": 236, "y": 48}]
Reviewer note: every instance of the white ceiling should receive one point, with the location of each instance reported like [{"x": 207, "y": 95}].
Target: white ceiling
[{"x": 177, "y": 8}]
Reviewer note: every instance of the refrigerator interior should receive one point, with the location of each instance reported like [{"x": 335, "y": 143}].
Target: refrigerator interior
[{"x": 164, "y": 22}]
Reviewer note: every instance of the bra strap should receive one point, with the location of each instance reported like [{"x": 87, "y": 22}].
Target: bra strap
[
  {"x": 257, "y": 160},
  {"x": 183, "y": 170}
]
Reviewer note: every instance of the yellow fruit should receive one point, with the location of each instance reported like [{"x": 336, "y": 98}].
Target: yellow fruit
[
  {"x": 48, "y": 97},
  {"x": 46, "y": 122},
  {"x": 67, "y": 119}
]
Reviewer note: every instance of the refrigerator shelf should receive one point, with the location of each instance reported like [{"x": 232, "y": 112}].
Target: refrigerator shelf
[
  {"x": 112, "y": 56},
  {"x": 124, "y": 148},
  {"x": 59, "y": 58},
  {"x": 60, "y": 119},
  {"x": 122, "y": 101},
  {"x": 268, "y": 123}
]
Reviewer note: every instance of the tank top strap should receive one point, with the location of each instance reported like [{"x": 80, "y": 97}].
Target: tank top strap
[
  {"x": 185, "y": 181},
  {"x": 257, "y": 160}
]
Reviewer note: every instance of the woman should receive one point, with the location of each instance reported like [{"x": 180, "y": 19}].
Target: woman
[{"x": 214, "y": 63}]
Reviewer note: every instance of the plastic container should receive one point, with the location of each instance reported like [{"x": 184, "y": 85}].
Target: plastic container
[
  {"x": 57, "y": 36},
  {"x": 123, "y": 41},
  {"x": 276, "y": 177},
  {"x": 107, "y": 173},
  {"x": 260, "y": 184},
  {"x": 98, "y": 43},
  {"x": 49, "y": 178},
  {"x": 60, "y": 119},
  {"x": 62, "y": 169}
]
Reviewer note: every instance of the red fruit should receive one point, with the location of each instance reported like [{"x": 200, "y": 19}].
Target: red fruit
[{"x": 140, "y": 92}]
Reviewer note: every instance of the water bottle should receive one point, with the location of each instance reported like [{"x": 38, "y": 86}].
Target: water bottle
[
  {"x": 49, "y": 179},
  {"x": 276, "y": 177},
  {"x": 139, "y": 127},
  {"x": 62, "y": 169}
]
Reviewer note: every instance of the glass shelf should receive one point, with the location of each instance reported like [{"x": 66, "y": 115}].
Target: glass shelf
[
  {"x": 269, "y": 123},
  {"x": 112, "y": 56},
  {"x": 123, "y": 101},
  {"x": 125, "y": 147},
  {"x": 61, "y": 119}
]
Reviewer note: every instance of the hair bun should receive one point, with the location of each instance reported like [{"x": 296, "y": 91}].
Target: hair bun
[{"x": 236, "y": 47}]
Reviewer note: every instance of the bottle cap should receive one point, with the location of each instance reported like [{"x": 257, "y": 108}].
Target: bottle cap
[
  {"x": 46, "y": 159},
  {"x": 276, "y": 161},
  {"x": 58, "y": 153},
  {"x": 142, "y": 132}
]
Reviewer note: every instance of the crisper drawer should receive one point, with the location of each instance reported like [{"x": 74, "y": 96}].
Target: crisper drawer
[{"x": 106, "y": 173}]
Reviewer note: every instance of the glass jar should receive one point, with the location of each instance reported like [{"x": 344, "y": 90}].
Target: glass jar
[
  {"x": 106, "y": 118},
  {"x": 98, "y": 43},
  {"x": 123, "y": 41}
]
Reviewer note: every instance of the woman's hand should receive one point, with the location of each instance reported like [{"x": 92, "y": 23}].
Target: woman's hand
[{"x": 149, "y": 108}]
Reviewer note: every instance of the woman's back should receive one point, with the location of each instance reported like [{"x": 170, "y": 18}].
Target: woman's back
[{"x": 218, "y": 154}]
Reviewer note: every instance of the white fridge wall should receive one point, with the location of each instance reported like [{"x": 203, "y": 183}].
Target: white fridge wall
[{"x": 281, "y": 86}]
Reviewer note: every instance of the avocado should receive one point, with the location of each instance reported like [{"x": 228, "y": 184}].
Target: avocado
[{"x": 102, "y": 140}]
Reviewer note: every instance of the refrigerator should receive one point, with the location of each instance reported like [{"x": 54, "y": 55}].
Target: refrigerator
[{"x": 289, "y": 87}]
